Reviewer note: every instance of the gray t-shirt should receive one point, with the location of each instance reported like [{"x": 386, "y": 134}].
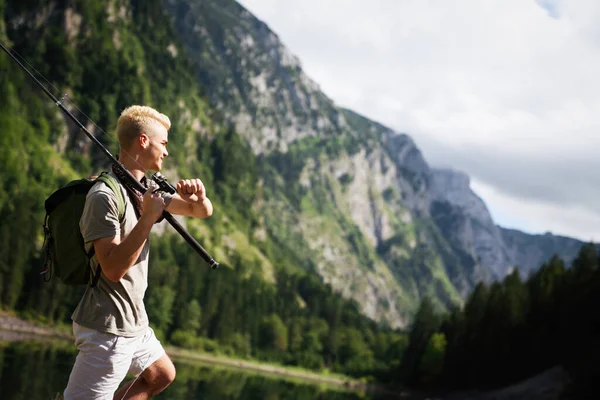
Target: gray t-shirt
[{"x": 113, "y": 307}]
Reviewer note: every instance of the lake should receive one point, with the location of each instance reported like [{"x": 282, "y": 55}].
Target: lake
[{"x": 35, "y": 370}]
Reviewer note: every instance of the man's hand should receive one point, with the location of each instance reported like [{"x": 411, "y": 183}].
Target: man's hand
[
  {"x": 191, "y": 190},
  {"x": 191, "y": 200},
  {"x": 153, "y": 205}
]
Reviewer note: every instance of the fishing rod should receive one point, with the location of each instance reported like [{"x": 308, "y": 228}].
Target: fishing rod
[{"x": 157, "y": 177}]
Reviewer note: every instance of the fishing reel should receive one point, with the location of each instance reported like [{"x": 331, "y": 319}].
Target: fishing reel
[{"x": 163, "y": 184}]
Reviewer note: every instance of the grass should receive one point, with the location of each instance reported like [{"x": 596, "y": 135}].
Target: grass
[{"x": 325, "y": 376}]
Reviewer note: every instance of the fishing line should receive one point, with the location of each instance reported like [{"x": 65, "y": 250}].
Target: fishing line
[
  {"x": 157, "y": 177},
  {"x": 65, "y": 98}
]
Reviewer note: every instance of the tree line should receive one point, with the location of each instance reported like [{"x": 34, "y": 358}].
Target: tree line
[{"x": 511, "y": 330}]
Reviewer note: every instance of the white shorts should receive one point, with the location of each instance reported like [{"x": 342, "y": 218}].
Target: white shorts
[{"x": 104, "y": 360}]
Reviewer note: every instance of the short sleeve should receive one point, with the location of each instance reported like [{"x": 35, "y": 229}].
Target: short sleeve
[{"x": 100, "y": 216}]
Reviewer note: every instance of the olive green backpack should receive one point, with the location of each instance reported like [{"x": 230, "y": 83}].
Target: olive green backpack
[{"x": 65, "y": 252}]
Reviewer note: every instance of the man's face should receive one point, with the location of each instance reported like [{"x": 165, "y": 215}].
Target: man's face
[{"x": 156, "y": 149}]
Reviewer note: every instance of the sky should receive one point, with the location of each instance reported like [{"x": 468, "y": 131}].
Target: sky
[{"x": 507, "y": 91}]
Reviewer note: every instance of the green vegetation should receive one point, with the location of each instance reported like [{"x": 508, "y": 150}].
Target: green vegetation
[
  {"x": 263, "y": 303},
  {"x": 266, "y": 302},
  {"x": 296, "y": 321},
  {"x": 512, "y": 330}
]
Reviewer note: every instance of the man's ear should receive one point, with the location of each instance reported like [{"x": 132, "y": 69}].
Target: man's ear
[{"x": 144, "y": 140}]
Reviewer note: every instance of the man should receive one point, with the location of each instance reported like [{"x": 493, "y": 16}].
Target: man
[{"x": 110, "y": 323}]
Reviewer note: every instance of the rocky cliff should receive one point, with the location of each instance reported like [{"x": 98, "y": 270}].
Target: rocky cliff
[
  {"x": 354, "y": 197},
  {"x": 252, "y": 77},
  {"x": 344, "y": 196},
  {"x": 498, "y": 250}
]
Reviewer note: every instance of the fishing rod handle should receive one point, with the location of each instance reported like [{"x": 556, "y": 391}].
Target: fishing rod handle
[{"x": 190, "y": 239}]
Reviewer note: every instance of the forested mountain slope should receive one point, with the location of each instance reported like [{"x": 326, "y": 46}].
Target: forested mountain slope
[
  {"x": 265, "y": 301},
  {"x": 377, "y": 221},
  {"x": 305, "y": 192}
]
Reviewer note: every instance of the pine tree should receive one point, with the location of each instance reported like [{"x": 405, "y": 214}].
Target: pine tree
[{"x": 425, "y": 324}]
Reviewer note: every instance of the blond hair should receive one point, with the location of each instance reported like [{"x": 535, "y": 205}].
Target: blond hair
[{"x": 135, "y": 120}]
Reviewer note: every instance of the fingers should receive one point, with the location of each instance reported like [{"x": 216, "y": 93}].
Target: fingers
[
  {"x": 158, "y": 198},
  {"x": 190, "y": 186},
  {"x": 148, "y": 194},
  {"x": 151, "y": 196},
  {"x": 184, "y": 186},
  {"x": 153, "y": 204},
  {"x": 152, "y": 186}
]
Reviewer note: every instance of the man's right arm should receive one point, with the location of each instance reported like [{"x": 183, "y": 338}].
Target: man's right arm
[{"x": 116, "y": 256}]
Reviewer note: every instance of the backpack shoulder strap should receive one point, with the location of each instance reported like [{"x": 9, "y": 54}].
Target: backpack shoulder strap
[{"x": 113, "y": 184}]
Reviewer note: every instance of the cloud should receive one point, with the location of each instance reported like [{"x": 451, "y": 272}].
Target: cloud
[
  {"x": 551, "y": 6},
  {"x": 505, "y": 90},
  {"x": 539, "y": 217}
]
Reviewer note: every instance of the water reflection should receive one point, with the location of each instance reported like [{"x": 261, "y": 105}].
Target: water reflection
[{"x": 40, "y": 370}]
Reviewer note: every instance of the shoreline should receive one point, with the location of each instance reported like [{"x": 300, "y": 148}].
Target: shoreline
[
  {"x": 269, "y": 369},
  {"x": 546, "y": 385},
  {"x": 14, "y": 329}
]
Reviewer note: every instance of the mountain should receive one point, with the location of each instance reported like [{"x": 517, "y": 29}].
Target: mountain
[
  {"x": 465, "y": 221},
  {"x": 380, "y": 224},
  {"x": 528, "y": 251},
  {"x": 300, "y": 185},
  {"x": 265, "y": 302}
]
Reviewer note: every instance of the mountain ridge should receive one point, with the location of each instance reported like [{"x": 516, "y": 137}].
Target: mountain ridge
[
  {"x": 395, "y": 212},
  {"x": 344, "y": 197}
]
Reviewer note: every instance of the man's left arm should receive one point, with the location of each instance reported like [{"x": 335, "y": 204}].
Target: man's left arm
[{"x": 190, "y": 200}]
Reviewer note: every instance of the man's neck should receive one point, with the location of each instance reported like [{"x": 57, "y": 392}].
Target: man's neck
[{"x": 132, "y": 165}]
